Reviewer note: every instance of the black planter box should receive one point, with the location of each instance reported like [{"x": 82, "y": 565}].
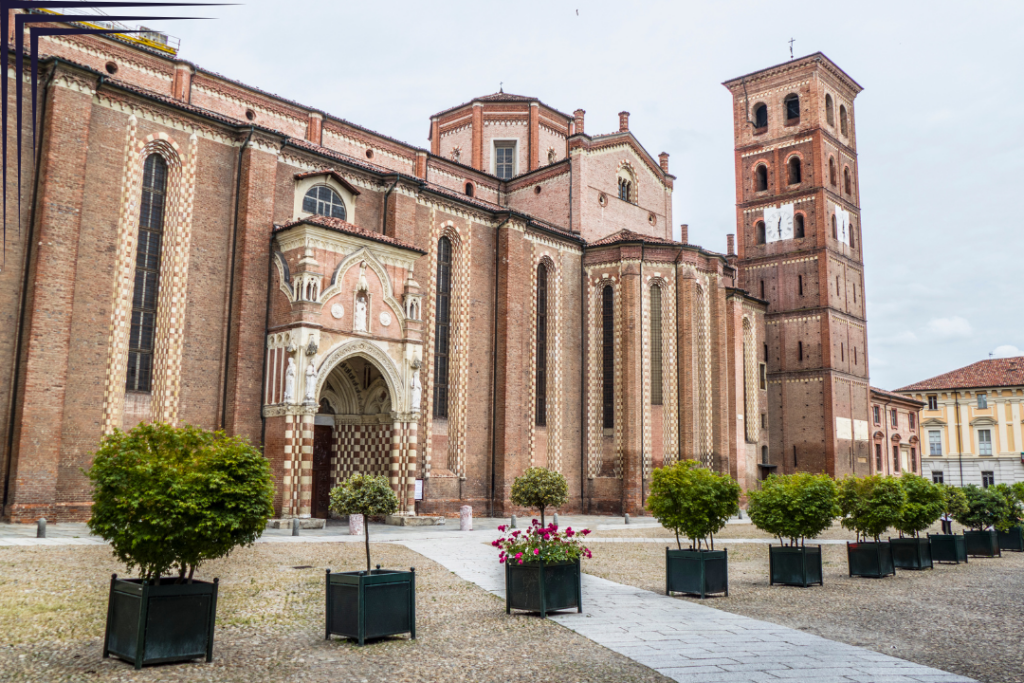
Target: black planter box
[
  {"x": 982, "y": 543},
  {"x": 157, "y": 623},
  {"x": 1012, "y": 539},
  {"x": 794, "y": 565},
  {"x": 373, "y": 604},
  {"x": 872, "y": 560},
  {"x": 697, "y": 572},
  {"x": 911, "y": 553},
  {"x": 541, "y": 587},
  {"x": 948, "y": 548}
]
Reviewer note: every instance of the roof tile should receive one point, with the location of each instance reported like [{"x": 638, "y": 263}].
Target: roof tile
[
  {"x": 347, "y": 228},
  {"x": 995, "y": 372}
]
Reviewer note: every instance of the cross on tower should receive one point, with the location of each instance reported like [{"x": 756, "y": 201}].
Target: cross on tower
[{"x": 791, "y": 41}]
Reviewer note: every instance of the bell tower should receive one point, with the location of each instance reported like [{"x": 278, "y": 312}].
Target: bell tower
[{"x": 799, "y": 249}]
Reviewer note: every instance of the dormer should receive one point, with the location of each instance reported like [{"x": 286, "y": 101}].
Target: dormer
[{"x": 325, "y": 193}]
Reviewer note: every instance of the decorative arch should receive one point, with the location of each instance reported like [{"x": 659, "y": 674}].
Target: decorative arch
[
  {"x": 751, "y": 411},
  {"x": 759, "y": 175},
  {"x": 390, "y": 373},
  {"x": 794, "y": 168},
  {"x": 703, "y": 428},
  {"x": 553, "y": 373},
  {"x": 628, "y": 182},
  {"x": 364, "y": 254}
]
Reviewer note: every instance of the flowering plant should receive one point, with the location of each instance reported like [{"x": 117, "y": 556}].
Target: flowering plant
[{"x": 539, "y": 543}]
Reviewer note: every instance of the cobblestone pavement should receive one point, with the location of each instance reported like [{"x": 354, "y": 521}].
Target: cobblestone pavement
[{"x": 689, "y": 642}]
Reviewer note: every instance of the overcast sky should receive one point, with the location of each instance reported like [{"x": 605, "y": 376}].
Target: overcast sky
[{"x": 940, "y": 123}]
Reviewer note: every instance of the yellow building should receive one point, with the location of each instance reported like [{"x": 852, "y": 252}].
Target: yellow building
[{"x": 972, "y": 423}]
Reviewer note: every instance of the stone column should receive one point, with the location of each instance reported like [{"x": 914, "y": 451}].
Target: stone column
[
  {"x": 631, "y": 394},
  {"x": 305, "y": 465},
  {"x": 412, "y": 429},
  {"x": 395, "y": 474}
]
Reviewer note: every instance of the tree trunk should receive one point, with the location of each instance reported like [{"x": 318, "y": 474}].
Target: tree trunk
[
  {"x": 366, "y": 535},
  {"x": 542, "y": 517}
]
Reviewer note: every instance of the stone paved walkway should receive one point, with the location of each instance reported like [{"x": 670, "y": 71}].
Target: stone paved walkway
[{"x": 689, "y": 642}]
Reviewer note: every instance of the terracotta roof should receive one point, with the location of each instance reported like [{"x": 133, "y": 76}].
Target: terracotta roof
[
  {"x": 893, "y": 395},
  {"x": 501, "y": 97},
  {"x": 330, "y": 172},
  {"x": 347, "y": 228},
  {"x": 630, "y": 236},
  {"x": 996, "y": 372}
]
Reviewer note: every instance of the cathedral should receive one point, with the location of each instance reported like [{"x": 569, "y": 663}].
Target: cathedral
[{"x": 195, "y": 250}]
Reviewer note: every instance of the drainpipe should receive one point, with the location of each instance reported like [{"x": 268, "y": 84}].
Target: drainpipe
[
  {"x": 643, "y": 461},
  {"x": 231, "y": 286},
  {"x": 494, "y": 367},
  {"x": 22, "y": 309}
]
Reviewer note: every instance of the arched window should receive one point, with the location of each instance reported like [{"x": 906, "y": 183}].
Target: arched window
[
  {"x": 759, "y": 232},
  {"x": 832, "y": 170},
  {"x": 323, "y": 201},
  {"x": 625, "y": 190},
  {"x": 795, "y": 170},
  {"x": 656, "y": 378},
  {"x": 469, "y": 189},
  {"x": 761, "y": 178},
  {"x": 829, "y": 112},
  {"x": 442, "y": 326},
  {"x": 853, "y": 240},
  {"x": 842, "y": 119},
  {"x": 835, "y": 229},
  {"x": 760, "y": 116},
  {"x": 750, "y": 397},
  {"x": 542, "y": 345},
  {"x": 846, "y": 180},
  {"x": 147, "y": 275},
  {"x": 798, "y": 225},
  {"x": 607, "y": 358},
  {"x": 792, "y": 108}
]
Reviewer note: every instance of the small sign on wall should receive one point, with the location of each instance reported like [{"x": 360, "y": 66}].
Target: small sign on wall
[
  {"x": 844, "y": 428},
  {"x": 419, "y": 490}
]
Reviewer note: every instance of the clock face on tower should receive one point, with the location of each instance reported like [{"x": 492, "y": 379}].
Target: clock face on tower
[{"x": 778, "y": 223}]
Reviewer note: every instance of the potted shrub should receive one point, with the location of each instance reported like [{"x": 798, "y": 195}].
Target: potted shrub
[
  {"x": 870, "y": 505},
  {"x": 794, "y": 507},
  {"x": 1010, "y": 533},
  {"x": 985, "y": 509},
  {"x": 925, "y": 504},
  {"x": 539, "y": 488},
  {"x": 950, "y": 547},
  {"x": 542, "y": 567},
  {"x": 377, "y": 602},
  {"x": 168, "y": 499},
  {"x": 689, "y": 499}
]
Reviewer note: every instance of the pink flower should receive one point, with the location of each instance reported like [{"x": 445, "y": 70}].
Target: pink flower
[
  {"x": 501, "y": 560},
  {"x": 536, "y": 551},
  {"x": 519, "y": 556},
  {"x": 494, "y": 543},
  {"x": 569, "y": 532},
  {"x": 501, "y": 528}
]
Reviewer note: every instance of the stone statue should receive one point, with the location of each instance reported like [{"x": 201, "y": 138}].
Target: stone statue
[
  {"x": 310, "y": 383},
  {"x": 362, "y": 286},
  {"x": 416, "y": 389},
  {"x": 359, "y": 318},
  {"x": 289, "y": 382}
]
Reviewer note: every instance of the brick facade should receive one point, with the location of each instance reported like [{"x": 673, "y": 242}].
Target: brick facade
[{"x": 318, "y": 336}]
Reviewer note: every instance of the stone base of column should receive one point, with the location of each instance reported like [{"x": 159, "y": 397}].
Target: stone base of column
[
  {"x": 304, "y": 523},
  {"x": 412, "y": 520}
]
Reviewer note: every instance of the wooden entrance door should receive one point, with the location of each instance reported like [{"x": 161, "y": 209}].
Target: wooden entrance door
[{"x": 321, "y": 470}]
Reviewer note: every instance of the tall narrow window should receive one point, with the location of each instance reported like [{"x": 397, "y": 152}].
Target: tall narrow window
[
  {"x": 877, "y": 414},
  {"x": 759, "y": 230},
  {"x": 984, "y": 442},
  {"x": 798, "y": 225},
  {"x": 766, "y": 352},
  {"x": 760, "y": 116},
  {"x": 656, "y": 389},
  {"x": 934, "y": 442},
  {"x": 147, "y": 275},
  {"x": 835, "y": 228},
  {"x": 799, "y": 350},
  {"x": 795, "y": 172},
  {"x": 442, "y": 326},
  {"x": 933, "y": 402},
  {"x": 542, "y": 345},
  {"x": 504, "y": 160},
  {"x": 847, "y": 185},
  {"x": 842, "y": 119},
  {"x": 762, "y": 290},
  {"x": 792, "y": 106},
  {"x": 800, "y": 284},
  {"x": 607, "y": 358},
  {"x": 894, "y": 418},
  {"x": 878, "y": 457},
  {"x": 761, "y": 178},
  {"x": 832, "y": 170},
  {"x": 829, "y": 110}
]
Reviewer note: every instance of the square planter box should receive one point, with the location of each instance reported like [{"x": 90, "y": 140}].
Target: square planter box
[
  {"x": 948, "y": 548},
  {"x": 157, "y": 623},
  {"x": 543, "y": 587},
  {"x": 1012, "y": 539},
  {"x": 697, "y": 572},
  {"x": 794, "y": 565},
  {"x": 982, "y": 543},
  {"x": 373, "y": 604},
  {"x": 871, "y": 560},
  {"x": 911, "y": 553}
]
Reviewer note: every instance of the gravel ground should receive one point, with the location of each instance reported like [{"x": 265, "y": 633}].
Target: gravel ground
[
  {"x": 967, "y": 619},
  {"x": 270, "y": 625}
]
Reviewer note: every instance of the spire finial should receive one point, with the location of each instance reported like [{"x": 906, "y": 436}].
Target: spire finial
[
  {"x": 501, "y": 87},
  {"x": 791, "y": 41}
]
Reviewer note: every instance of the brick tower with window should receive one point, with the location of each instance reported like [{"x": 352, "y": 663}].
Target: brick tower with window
[{"x": 798, "y": 219}]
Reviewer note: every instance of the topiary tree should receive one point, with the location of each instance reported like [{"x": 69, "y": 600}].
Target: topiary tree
[
  {"x": 689, "y": 499},
  {"x": 794, "y": 506},
  {"x": 985, "y": 508},
  {"x": 870, "y": 505},
  {"x": 540, "y": 488},
  {"x": 171, "y": 498},
  {"x": 955, "y": 501},
  {"x": 925, "y": 504},
  {"x": 1013, "y": 510},
  {"x": 366, "y": 495}
]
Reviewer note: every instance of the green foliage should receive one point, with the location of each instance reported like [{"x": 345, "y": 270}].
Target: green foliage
[
  {"x": 1014, "y": 508},
  {"x": 870, "y": 505},
  {"x": 985, "y": 508},
  {"x": 1018, "y": 491},
  {"x": 955, "y": 501},
  {"x": 794, "y": 506},
  {"x": 367, "y": 495},
  {"x": 692, "y": 500},
  {"x": 540, "y": 488},
  {"x": 925, "y": 504},
  {"x": 174, "y": 497}
]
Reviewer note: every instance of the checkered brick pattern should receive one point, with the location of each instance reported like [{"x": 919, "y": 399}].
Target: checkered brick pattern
[
  {"x": 670, "y": 392},
  {"x": 752, "y": 418},
  {"x": 169, "y": 340},
  {"x": 704, "y": 441},
  {"x": 553, "y": 456},
  {"x": 595, "y": 425},
  {"x": 364, "y": 449}
]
